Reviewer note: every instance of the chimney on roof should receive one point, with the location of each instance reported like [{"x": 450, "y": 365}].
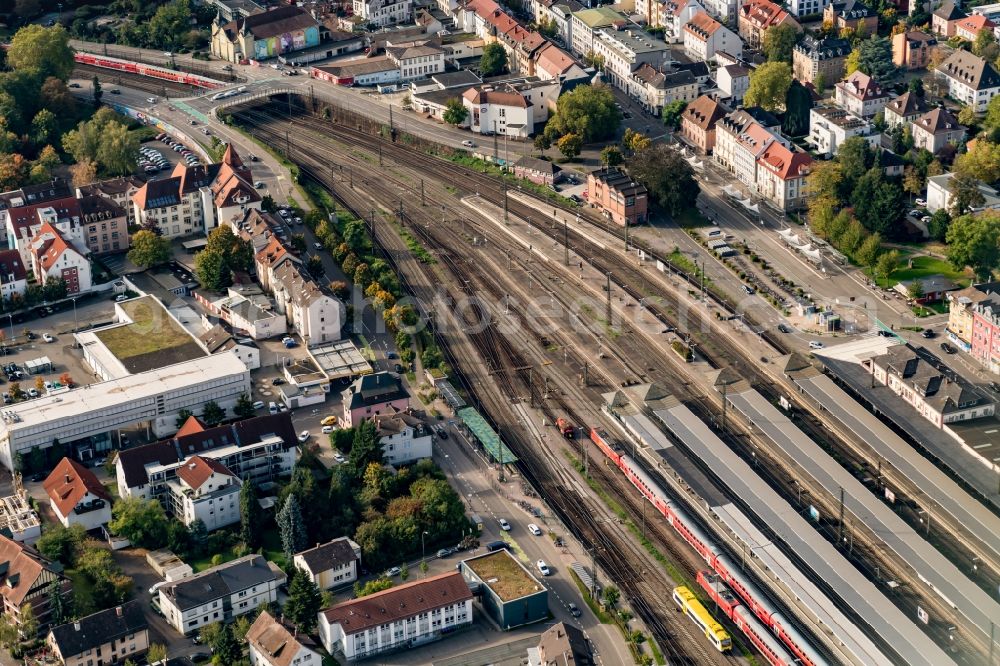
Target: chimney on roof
[
  {"x": 76, "y": 626},
  {"x": 118, "y": 611}
]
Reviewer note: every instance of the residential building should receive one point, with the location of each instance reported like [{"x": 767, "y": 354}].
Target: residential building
[
  {"x": 119, "y": 190},
  {"x": 936, "y": 129},
  {"x": 851, "y": 15},
  {"x": 991, "y": 11},
  {"x": 521, "y": 44},
  {"x": 416, "y": 61},
  {"x": 404, "y": 438},
  {"x": 930, "y": 289},
  {"x": 831, "y": 126},
  {"x": 260, "y": 449},
  {"x": 586, "y": 23},
  {"x": 756, "y": 17},
  {"x": 733, "y": 81},
  {"x": 53, "y": 257},
  {"x": 510, "y": 594},
  {"x": 247, "y": 309},
  {"x": 382, "y": 13},
  {"x": 739, "y": 140},
  {"x": 559, "y": 12},
  {"x": 698, "y": 122},
  {"x": 317, "y": 316},
  {"x": 268, "y": 34},
  {"x": 961, "y": 320},
  {"x": 406, "y": 615},
  {"x": 656, "y": 88},
  {"x": 552, "y": 63},
  {"x": 672, "y": 16},
  {"x": 379, "y": 70},
  {"x": 861, "y": 95},
  {"x": 510, "y": 109},
  {"x": 781, "y": 176},
  {"x": 540, "y": 172},
  {"x": 969, "y": 27},
  {"x": 27, "y": 579},
  {"x": 220, "y": 594},
  {"x": 626, "y": 50},
  {"x": 371, "y": 395},
  {"x": 971, "y": 80},
  {"x": 620, "y": 199},
  {"x": 985, "y": 342},
  {"x": 561, "y": 645},
  {"x": 725, "y": 10},
  {"x": 76, "y": 496},
  {"x": 204, "y": 489},
  {"x": 194, "y": 200},
  {"x": 903, "y": 110},
  {"x": 85, "y": 418},
  {"x": 937, "y": 398},
  {"x": 939, "y": 194},
  {"x": 218, "y": 340},
  {"x": 273, "y": 644},
  {"x": 804, "y": 8},
  {"x": 703, "y": 36},
  {"x": 104, "y": 225},
  {"x": 912, "y": 49},
  {"x": 13, "y": 276},
  {"x": 815, "y": 57},
  {"x": 109, "y": 636},
  {"x": 332, "y": 564},
  {"x": 944, "y": 18}
]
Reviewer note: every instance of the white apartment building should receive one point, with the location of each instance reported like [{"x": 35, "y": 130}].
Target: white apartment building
[
  {"x": 331, "y": 564},
  {"x": 405, "y": 615},
  {"x": 807, "y": 7},
  {"x": 503, "y": 111},
  {"x": 404, "y": 438},
  {"x": 939, "y": 194},
  {"x": 724, "y": 10},
  {"x": 586, "y": 24},
  {"x": 704, "y": 36},
  {"x": 382, "y": 13},
  {"x": 626, "y": 50},
  {"x": 971, "y": 80},
  {"x": 903, "y": 110},
  {"x": 316, "y": 316},
  {"x": 936, "y": 129},
  {"x": 656, "y": 88},
  {"x": 861, "y": 95},
  {"x": 220, "y": 594},
  {"x": 204, "y": 489},
  {"x": 273, "y": 644},
  {"x": 733, "y": 81},
  {"x": 53, "y": 256},
  {"x": 416, "y": 61},
  {"x": 739, "y": 141},
  {"x": 149, "y": 399},
  {"x": 781, "y": 176},
  {"x": 830, "y": 126},
  {"x": 672, "y": 16}
]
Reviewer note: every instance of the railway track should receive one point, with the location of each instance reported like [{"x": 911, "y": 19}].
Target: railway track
[
  {"x": 131, "y": 80},
  {"x": 489, "y": 345}
]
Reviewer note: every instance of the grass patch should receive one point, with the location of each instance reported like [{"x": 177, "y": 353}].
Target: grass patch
[
  {"x": 595, "y": 608},
  {"x": 152, "y": 332},
  {"x": 924, "y": 267},
  {"x": 681, "y": 261},
  {"x": 414, "y": 246},
  {"x": 203, "y": 563},
  {"x": 482, "y": 166}
]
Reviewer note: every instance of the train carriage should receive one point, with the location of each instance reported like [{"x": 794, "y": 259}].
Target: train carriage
[{"x": 714, "y": 632}]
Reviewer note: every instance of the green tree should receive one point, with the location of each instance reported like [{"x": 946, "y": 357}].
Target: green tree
[
  {"x": 404, "y": 571},
  {"x": 44, "y": 127},
  {"x": 974, "y": 241},
  {"x": 95, "y": 85},
  {"x": 542, "y": 142},
  {"x": 981, "y": 162},
  {"x": 588, "y": 111},
  {"x": 29, "y": 622},
  {"x": 672, "y": 113},
  {"x": 149, "y": 249},
  {"x": 41, "y": 51},
  {"x": 455, "y": 112},
  {"x": 227, "y": 652},
  {"x": 182, "y": 417},
  {"x": 611, "y": 596},
  {"x": 985, "y": 45},
  {"x": 119, "y": 149},
  {"x": 769, "y": 86},
  {"x": 878, "y": 202},
  {"x": 210, "y": 633},
  {"x": 212, "y": 414},
  {"x": 178, "y": 538},
  {"x": 493, "y": 60},
  {"x": 916, "y": 86},
  {"x": 887, "y": 264},
  {"x": 8, "y": 631},
  {"x": 304, "y": 601},
  {"x": 965, "y": 194},
  {"x": 58, "y": 611},
  {"x": 157, "y": 652},
  {"x": 244, "y": 406},
  {"x": 798, "y": 102},
  {"x": 371, "y": 587},
  {"x": 867, "y": 253},
  {"x": 779, "y": 41},
  {"x": 570, "y": 145},
  {"x": 992, "y": 120},
  {"x": 249, "y": 514},
  {"x": 61, "y": 544},
  {"x": 314, "y": 265},
  {"x": 212, "y": 270},
  {"x": 170, "y": 24},
  {"x": 612, "y": 156},
  {"x": 365, "y": 448},
  {"x": 241, "y": 627},
  {"x": 874, "y": 57},
  {"x": 291, "y": 528},
  {"x": 668, "y": 177},
  {"x": 198, "y": 537},
  {"x": 143, "y": 522},
  {"x": 937, "y": 228}
]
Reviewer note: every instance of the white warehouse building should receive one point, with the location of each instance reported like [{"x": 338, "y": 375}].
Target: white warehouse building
[{"x": 152, "y": 399}]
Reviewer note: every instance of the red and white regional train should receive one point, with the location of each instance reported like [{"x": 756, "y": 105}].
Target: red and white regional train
[
  {"x": 729, "y": 573},
  {"x": 152, "y": 71}
]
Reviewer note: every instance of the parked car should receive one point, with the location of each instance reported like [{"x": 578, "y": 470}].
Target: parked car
[
  {"x": 339, "y": 458},
  {"x": 916, "y": 213},
  {"x": 815, "y": 344},
  {"x": 304, "y": 436},
  {"x": 33, "y": 392},
  {"x": 318, "y": 246},
  {"x": 259, "y": 404},
  {"x": 444, "y": 552},
  {"x": 927, "y": 333},
  {"x": 393, "y": 571},
  {"x": 327, "y": 429},
  {"x": 329, "y": 420},
  {"x": 151, "y": 100},
  {"x": 947, "y": 349},
  {"x": 921, "y": 202},
  {"x": 277, "y": 381}
]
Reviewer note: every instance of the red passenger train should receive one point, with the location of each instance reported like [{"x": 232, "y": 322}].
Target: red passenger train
[
  {"x": 750, "y": 598},
  {"x": 152, "y": 71}
]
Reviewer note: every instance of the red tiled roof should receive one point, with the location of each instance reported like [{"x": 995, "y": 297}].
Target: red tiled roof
[
  {"x": 975, "y": 23},
  {"x": 48, "y": 246},
  {"x": 784, "y": 162},
  {"x": 702, "y": 25},
  {"x": 763, "y": 13},
  {"x": 21, "y": 569},
  {"x": 398, "y": 603},
  {"x": 191, "y": 426},
  {"x": 196, "y": 470},
  {"x": 553, "y": 60},
  {"x": 69, "y": 483}
]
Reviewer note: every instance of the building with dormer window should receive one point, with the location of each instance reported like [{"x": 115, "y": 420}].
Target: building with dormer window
[
  {"x": 851, "y": 15},
  {"x": 936, "y": 129},
  {"x": 204, "y": 489},
  {"x": 704, "y": 36},
  {"x": 26, "y": 578},
  {"x": 861, "y": 95},
  {"x": 382, "y": 13},
  {"x": 971, "y": 80},
  {"x": 76, "y": 496},
  {"x": 273, "y": 644}
]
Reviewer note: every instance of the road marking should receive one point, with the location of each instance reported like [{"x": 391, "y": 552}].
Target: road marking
[{"x": 982, "y": 446}]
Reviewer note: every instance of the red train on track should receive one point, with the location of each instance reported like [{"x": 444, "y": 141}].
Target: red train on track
[
  {"x": 566, "y": 428},
  {"x": 750, "y": 598},
  {"x": 152, "y": 71}
]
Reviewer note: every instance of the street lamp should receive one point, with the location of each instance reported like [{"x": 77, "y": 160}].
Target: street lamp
[{"x": 423, "y": 553}]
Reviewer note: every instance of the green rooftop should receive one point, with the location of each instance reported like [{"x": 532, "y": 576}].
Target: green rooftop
[
  {"x": 504, "y": 575},
  {"x": 486, "y": 435},
  {"x": 600, "y": 17},
  {"x": 152, "y": 340}
]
